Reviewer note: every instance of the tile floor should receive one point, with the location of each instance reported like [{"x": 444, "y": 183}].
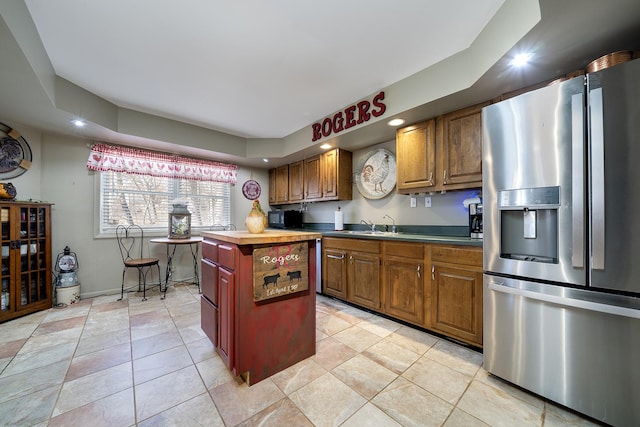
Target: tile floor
[{"x": 103, "y": 362}]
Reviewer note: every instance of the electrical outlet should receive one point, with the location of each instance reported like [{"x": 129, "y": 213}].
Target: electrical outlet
[
  {"x": 427, "y": 202},
  {"x": 414, "y": 202}
]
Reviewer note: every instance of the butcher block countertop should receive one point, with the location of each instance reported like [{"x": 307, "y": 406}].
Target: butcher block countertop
[{"x": 243, "y": 237}]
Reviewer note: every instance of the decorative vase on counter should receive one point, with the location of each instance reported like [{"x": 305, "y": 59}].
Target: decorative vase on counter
[{"x": 256, "y": 221}]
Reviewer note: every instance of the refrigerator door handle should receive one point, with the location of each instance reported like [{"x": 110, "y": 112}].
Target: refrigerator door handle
[
  {"x": 565, "y": 301},
  {"x": 577, "y": 180},
  {"x": 596, "y": 119}
]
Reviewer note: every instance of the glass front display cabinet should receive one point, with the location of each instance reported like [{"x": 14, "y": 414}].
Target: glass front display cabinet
[{"x": 26, "y": 258}]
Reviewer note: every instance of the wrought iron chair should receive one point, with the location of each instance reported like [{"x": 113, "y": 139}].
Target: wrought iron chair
[{"x": 131, "y": 245}]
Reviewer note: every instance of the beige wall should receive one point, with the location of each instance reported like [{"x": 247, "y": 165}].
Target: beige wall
[{"x": 59, "y": 175}]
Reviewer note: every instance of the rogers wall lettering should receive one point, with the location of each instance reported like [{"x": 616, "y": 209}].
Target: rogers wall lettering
[{"x": 349, "y": 117}]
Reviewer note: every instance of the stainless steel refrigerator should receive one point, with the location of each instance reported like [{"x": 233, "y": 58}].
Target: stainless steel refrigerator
[{"x": 561, "y": 192}]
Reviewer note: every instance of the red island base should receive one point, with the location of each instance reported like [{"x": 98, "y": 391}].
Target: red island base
[{"x": 258, "y": 299}]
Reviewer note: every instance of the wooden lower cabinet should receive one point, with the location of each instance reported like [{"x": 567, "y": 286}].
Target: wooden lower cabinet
[
  {"x": 403, "y": 281},
  {"x": 433, "y": 286},
  {"x": 334, "y": 274},
  {"x": 363, "y": 283},
  {"x": 351, "y": 270},
  {"x": 456, "y": 293}
]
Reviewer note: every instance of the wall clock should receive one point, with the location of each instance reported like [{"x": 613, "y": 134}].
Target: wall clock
[
  {"x": 376, "y": 174},
  {"x": 15, "y": 153}
]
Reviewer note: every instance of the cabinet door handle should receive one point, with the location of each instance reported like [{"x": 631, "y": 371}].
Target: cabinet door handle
[
  {"x": 444, "y": 178},
  {"x": 433, "y": 272},
  {"x": 335, "y": 256},
  {"x": 418, "y": 270},
  {"x": 431, "y": 178}
]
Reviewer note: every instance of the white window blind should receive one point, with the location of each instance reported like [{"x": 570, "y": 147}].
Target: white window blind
[{"x": 146, "y": 201}]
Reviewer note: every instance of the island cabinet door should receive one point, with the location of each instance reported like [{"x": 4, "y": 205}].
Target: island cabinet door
[
  {"x": 209, "y": 319},
  {"x": 334, "y": 272},
  {"x": 210, "y": 281},
  {"x": 226, "y": 280}
]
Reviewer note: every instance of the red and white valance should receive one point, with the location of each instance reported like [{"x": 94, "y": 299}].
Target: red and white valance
[{"x": 104, "y": 157}]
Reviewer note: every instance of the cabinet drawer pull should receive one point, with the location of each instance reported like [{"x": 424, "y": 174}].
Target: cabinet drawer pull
[{"x": 335, "y": 256}]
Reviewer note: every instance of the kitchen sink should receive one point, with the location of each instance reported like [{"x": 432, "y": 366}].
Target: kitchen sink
[{"x": 371, "y": 233}]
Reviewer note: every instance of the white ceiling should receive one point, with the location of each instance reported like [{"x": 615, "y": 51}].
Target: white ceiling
[
  {"x": 241, "y": 80},
  {"x": 252, "y": 68}
]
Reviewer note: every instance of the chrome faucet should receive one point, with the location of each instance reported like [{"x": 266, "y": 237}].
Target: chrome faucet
[
  {"x": 393, "y": 221},
  {"x": 370, "y": 224}
]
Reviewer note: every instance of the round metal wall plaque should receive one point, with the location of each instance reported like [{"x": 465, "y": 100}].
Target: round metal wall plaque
[
  {"x": 376, "y": 174},
  {"x": 15, "y": 153}
]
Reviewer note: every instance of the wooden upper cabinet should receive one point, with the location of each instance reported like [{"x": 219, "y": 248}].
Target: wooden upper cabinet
[
  {"x": 296, "y": 182},
  {"x": 336, "y": 175},
  {"x": 313, "y": 178},
  {"x": 272, "y": 186},
  {"x": 282, "y": 184},
  {"x": 415, "y": 157},
  {"x": 459, "y": 141},
  {"x": 441, "y": 154},
  {"x": 322, "y": 177}
]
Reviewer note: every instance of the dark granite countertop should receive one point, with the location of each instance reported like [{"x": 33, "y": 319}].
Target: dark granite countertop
[{"x": 406, "y": 237}]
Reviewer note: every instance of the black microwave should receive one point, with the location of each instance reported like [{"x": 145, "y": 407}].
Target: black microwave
[{"x": 285, "y": 219}]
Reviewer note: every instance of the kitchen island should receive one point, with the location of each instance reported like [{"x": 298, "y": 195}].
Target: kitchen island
[{"x": 258, "y": 299}]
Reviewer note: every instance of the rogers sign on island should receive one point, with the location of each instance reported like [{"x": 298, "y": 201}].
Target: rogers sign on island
[{"x": 349, "y": 117}]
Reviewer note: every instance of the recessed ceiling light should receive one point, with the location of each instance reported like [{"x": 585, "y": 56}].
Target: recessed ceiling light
[
  {"x": 395, "y": 122},
  {"x": 521, "y": 59},
  {"x": 265, "y": 160},
  {"x": 325, "y": 146},
  {"x": 79, "y": 123}
]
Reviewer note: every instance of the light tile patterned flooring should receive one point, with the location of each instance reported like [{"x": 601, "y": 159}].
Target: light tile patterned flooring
[{"x": 103, "y": 362}]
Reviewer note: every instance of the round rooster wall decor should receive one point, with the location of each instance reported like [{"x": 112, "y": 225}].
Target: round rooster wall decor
[{"x": 376, "y": 174}]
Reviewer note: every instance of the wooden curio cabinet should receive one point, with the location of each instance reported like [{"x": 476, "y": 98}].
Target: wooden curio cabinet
[{"x": 26, "y": 258}]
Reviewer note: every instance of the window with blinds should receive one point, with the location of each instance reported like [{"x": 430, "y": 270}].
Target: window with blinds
[{"x": 144, "y": 200}]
